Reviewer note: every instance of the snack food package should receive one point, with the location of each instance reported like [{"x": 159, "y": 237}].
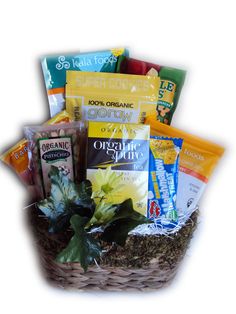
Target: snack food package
[
  {"x": 172, "y": 81},
  {"x": 111, "y": 97},
  {"x": 117, "y": 162},
  {"x": 55, "y": 67},
  {"x": 163, "y": 181},
  {"x": 17, "y": 156},
  {"x": 55, "y": 145},
  {"x": 198, "y": 159}
]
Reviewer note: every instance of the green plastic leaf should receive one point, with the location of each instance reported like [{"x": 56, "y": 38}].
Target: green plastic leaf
[
  {"x": 66, "y": 199},
  {"x": 82, "y": 247},
  {"x": 124, "y": 220},
  {"x": 61, "y": 186},
  {"x": 48, "y": 207},
  {"x": 59, "y": 224},
  {"x": 85, "y": 190}
]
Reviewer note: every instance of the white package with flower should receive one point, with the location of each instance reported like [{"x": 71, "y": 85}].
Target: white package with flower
[{"x": 117, "y": 162}]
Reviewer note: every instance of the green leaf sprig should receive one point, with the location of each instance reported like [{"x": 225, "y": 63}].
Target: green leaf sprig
[
  {"x": 82, "y": 247},
  {"x": 66, "y": 199},
  {"x": 72, "y": 205}
]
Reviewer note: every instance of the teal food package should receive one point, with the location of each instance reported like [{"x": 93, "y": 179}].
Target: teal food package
[
  {"x": 163, "y": 181},
  {"x": 172, "y": 81},
  {"x": 55, "y": 67}
]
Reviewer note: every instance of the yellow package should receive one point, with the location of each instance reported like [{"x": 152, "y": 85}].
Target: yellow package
[
  {"x": 111, "y": 97},
  {"x": 197, "y": 161},
  {"x": 17, "y": 156}
]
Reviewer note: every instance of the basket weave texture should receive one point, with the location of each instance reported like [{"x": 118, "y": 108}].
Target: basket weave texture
[{"x": 144, "y": 263}]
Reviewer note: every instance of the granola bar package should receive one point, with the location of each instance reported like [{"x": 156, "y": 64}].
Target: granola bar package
[
  {"x": 117, "y": 163},
  {"x": 17, "y": 156},
  {"x": 111, "y": 97},
  {"x": 55, "y": 67},
  {"x": 163, "y": 181},
  {"x": 197, "y": 161},
  {"x": 172, "y": 81},
  {"x": 55, "y": 145}
]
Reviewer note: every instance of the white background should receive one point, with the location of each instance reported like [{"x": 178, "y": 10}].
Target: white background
[{"x": 196, "y": 35}]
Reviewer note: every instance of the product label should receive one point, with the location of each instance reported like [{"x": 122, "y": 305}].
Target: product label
[
  {"x": 57, "y": 152},
  {"x": 19, "y": 157},
  {"x": 163, "y": 181},
  {"x": 121, "y": 154},
  {"x": 196, "y": 165},
  {"x": 111, "y": 97},
  {"x": 117, "y": 163},
  {"x": 55, "y": 67},
  {"x": 190, "y": 189},
  {"x": 99, "y": 109},
  {"x": 166, "y": 93}
]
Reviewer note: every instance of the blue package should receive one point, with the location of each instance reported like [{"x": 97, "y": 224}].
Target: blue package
[{"x": 163, "y": 181}]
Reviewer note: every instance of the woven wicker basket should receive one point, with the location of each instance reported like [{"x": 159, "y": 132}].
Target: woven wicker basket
[{"x": 144, "y": 263}]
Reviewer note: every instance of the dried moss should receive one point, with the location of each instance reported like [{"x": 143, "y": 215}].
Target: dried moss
[{"x": 138, "y": 252}]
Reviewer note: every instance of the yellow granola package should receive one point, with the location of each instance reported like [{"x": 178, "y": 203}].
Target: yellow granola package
[
  {"x": 111, "y": 97},
  {"x": 17, "y": 156}
]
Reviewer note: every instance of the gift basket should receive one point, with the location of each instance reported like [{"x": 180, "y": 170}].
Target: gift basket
[{"x": 114, "y": 188}]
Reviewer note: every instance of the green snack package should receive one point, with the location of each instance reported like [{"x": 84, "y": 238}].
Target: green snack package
[{"x": 172, "y": 81}]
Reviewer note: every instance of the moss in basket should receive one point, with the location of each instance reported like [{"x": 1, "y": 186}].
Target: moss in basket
[{"x": 73, "y": 205}]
